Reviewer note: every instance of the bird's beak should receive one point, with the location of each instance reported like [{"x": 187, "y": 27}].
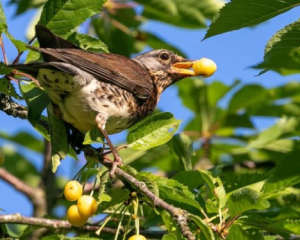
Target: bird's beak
[{"x": 183, "y": 68}]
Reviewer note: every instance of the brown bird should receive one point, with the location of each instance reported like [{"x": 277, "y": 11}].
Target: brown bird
[{"x": 108, "y": 90}]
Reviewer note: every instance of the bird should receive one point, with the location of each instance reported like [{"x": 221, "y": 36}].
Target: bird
[{"x": 106, "y": 90}]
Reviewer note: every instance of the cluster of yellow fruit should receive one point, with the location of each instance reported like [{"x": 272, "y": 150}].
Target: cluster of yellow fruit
[
  {"x": 204, "y": 67},
  {"x": 86, "y": 206}
]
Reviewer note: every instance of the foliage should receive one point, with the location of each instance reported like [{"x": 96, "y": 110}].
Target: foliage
[{"x": 250, "y": 189}]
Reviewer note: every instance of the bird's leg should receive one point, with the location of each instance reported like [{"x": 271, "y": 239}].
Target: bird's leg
[{"x": 100, "y": 121}]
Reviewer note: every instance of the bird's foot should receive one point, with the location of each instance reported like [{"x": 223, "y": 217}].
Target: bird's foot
[{"x": 114, "y": 164}]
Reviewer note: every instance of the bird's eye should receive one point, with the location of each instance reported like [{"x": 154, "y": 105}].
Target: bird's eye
[{"x": 164, "y": 56}]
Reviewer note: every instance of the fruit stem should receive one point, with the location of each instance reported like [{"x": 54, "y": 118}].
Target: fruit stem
[
  {"x": 106, "y": 220},
  {"x": 127, "y": 226},
  {"x": 120, "y": 222}
]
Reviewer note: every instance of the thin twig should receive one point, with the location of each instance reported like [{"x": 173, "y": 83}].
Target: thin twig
[
  {"x": 3, "y": 50},
  {"x": 179, "y": 215}
]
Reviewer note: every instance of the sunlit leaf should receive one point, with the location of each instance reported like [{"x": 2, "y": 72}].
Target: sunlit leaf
[
  {"x": 62, "y": 16},
  {"x": 152, "y": 131},
  {"x": 245, "y": 13},
  {"x": 245, "y": 199},
  {"x": 283, "y": 45}
]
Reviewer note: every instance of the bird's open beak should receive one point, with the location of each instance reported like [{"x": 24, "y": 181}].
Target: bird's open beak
[{"x": 184, "y": 68}]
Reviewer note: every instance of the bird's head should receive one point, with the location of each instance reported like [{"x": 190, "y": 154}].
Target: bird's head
[{"x": 165, "y": 67}]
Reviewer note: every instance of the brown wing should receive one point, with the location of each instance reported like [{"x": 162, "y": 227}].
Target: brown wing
[{"x": 111, "y": 68}]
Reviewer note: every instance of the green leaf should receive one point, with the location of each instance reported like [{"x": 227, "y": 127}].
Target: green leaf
[
  {"x": 93, "y": 136},
  {"x": 33, "y": 56},
  {"x": 181, "y": 145},
  {"x": 59, "y": 139},
  {"x": 62, "y": 16},
  {"x": 169, "y": 236},
  {"x": 152, "y": 131},
  {"x": 286, "y": 225},
  {"x": 269, "y": 139},
  {"x": 245, "y": 199},
  {"x": 237, "y": 232},
  {"x": 217, "y": 90},
  {"x": 203, "y": 226},
  {"x": 102, "y": 196},
  {"x": 87, "y": 42},
  {"x": 171, "y": 226},
  {"x": 190, "y": 91},
  {"x": 173, "y": 192},
  {"x": 216, "y": 187},
  {"x": 284, "y": 175},
  {"x": 3, "y": 25},
  {"x": 191, "y": 179},
  {"x": 247, "y": 96},
  {"x": 4, "y": 69},
  {"x": 8, "y": 88},
  {"x": 180, "y": 13},
  {"x": 25, "y": 139},
  {"x": 283, "y": 45},
  {"x": 117, "y": 196},
  {"x": 36, "y": 99},
  {"x": 157, "y": 43},
  {"x": 246, "y": 13}
]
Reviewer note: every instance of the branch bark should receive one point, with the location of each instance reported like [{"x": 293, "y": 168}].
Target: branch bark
[
  {"x": 61, "y": 224},
  {"x": 179, "y": 215}
]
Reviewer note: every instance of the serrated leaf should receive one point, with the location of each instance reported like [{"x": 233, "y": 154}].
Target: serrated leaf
[
  {"x": 171, "y": 226},
  {"x": 117, "y": 196},
  {"x": 245, "y": 199},
  {"x": 237, "y": 232},
  {"x": 8, "y": 88},
  {"x": 152, "y": 131},
  {"x": 37, "y": 100},
  {"x": 3, "y": 25},
  {"x": 174, "y": 192},
  {"x": 245, "y": 13},
  {"x": 181, "y": 145},
  {"x": 93, "y": 136},
  {"x": 216, "y": 187},
  {"x": 283, "y": 45},
  {"x": 284, "y": 175},
  {"x": 87, "y": 42},
  {"x": 59, "y": 139},
  {"x": 286, "y": 225},
  {"x": 203, "y": 226},
  {"x": 102, "y": 196},
  {"x": 150, "y": 183},
  {"x": 62, "y": 16}
]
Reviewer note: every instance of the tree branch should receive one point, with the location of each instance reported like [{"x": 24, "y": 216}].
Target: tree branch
[
  {"x": 12, "y": 108},
  {"x": 61, "y": 224},
  {"x": 179, "y": 215},
  {"x": 34, "y": 194}
]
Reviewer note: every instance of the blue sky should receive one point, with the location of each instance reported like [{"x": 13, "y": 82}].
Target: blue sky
[{"x": 233, "y": 52}]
